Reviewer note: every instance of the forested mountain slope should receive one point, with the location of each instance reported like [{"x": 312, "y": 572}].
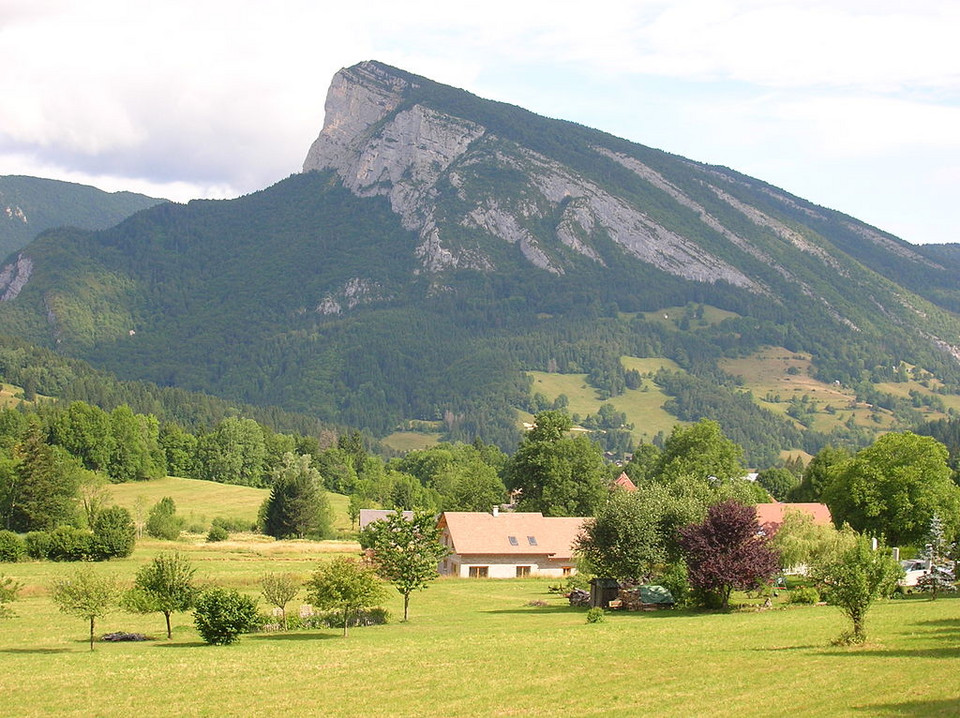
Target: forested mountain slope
[
  {"x": 438, "y": 244},
  {"x": 30, "y": 205}
]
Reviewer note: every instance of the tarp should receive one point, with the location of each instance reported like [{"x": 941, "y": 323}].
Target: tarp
[{"x": 650, "y": 593}]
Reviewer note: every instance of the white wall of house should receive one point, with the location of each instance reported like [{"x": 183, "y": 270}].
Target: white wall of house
[{"x": 505, "y": 566}]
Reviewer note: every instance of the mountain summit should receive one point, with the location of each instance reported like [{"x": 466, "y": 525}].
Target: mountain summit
[{"x": 438, "y": 245}]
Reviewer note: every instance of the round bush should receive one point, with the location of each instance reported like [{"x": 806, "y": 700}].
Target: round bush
[
  {"x": 12, "y": 547},
  {"x": 595, "y": 615},
  {"x": 38, "y": 544},
  {"x": 805, "y": 595},
  {"x": 217, "y": 533},
  {"x": 221, "y": 615},
  {"x": 68, "y": 543},
  {"x": 113, "y": 534}
]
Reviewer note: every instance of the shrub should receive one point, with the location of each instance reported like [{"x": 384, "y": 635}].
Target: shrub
[
  {"x": 113, "y": 534},
  {"x": 595, "y": 615},
  {"x": 12, "y": 547},
  {"x": 38, "y": 544},
  {"x": 163, "y": 522},
  {"x": 234, "y": 525},
  {"x": 217, "y": 533},
  {"x": 804, "y": 594},
  {"x": 68, "y": 543},
  {"x": 221, "y": 615}
]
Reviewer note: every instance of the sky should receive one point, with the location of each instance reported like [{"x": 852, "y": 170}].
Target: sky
[{"x": 851, "y": 104}]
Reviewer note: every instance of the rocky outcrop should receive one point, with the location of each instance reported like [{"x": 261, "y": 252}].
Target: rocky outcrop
[
  {"x": 14, "y": 277},
  {"x": 353, "y": 293}
]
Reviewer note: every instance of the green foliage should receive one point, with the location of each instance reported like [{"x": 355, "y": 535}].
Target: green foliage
[
  {"x": 85, "y": 594},
  {"x": 405, "y": 552},
  {"x": 278, "y": 589},
  {"x": 45, "y": 483},
  {"x": 217, "y": 533},
  {"x": 163, "y": 522},
  {"x": 297, "y": 506},
  {"x": 166, "y": 584},
  {"x": 114, "y": 534},
  {"x": 699, "y": 451},
  {"x": 557, "y": 475},
  {"x": 894, "y": 487},
  {"x": 344, "y": 585},
  {"x": 8, "y": 593},
  {"x": 806, "y": 595},
  {"x": 778, "y": 482},
  {"x": 816, "y": 475},
  {"x": 38, "y": 544},
  {"x": 12, "y": 547},
  {"x": 625, "y": 540},
  {"x": 68, "y": 543},
  {"x": 853, "y": 578},
  {"x": 222, "y": 614},
  {"x": 595, "y": 615},
  {"x": 801, "y": 542}
]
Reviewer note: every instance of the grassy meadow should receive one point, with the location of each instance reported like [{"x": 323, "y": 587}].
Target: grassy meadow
[{"x": 472, "y": 648}]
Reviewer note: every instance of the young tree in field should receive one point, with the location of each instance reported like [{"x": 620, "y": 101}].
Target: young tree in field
[
  {"x": 405, "y": 552},
  {"x": 344, "y": 585},
  {"x": 727, "y": 552},
  {"x": 113, "y": 533},
  {"x": 278, "y": 589},
  {"x": 8, "y": 593},
  {"x": 85, "y": 594},
  {"x": 853, "y": 578},
  {"x": 164, "y": 585},
  {"x": 163, "y": 522}
]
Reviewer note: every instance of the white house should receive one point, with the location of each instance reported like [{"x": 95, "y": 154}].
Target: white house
[{"x": 508, "y": 545}]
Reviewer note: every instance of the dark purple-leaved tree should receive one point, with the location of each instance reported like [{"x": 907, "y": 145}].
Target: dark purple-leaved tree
[{"x": 727, "y": 552}]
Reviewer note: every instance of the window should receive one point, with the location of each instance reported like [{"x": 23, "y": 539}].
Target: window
[
  {"x": 523, "y": 571},
  {"x": 532, "y": 540},
  {"x": 478, "y": 572},
  {"x": 567, "y": 570},
  {"x": 513, "y": 540}
]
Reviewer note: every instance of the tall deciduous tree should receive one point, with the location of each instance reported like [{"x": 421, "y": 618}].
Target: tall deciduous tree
[
  {"x": 727, "y": 551},
  {"x": 405, "y": 552},
  {"x": 344, "y": 585},
  {"x": 44, "y": 490},
  {"x": 297, "y": 505},
  {"x": 700, "y": 451},
  {"x": 894, "y": 487},
  {"x": 85, "y": 594},
  {"x": 624, "y": 540},
  {"x": 556, "y": 474},
  {"x": 164, "y": 585}
]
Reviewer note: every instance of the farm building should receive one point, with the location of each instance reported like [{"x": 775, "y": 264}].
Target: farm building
[
  {"x": 508, "y": 545},
  {"x": 770, "y": 516},
  {"x": 368, "y": 516}
]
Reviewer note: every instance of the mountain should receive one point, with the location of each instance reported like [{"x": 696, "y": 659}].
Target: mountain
[
  {"x": 30, "y": 205},
  {"x": 438, "y": 245}
]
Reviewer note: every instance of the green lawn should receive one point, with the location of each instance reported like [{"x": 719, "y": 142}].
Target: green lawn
[
  {"x": 474, "y": 648},
  {"x": 202, "y": 501}
]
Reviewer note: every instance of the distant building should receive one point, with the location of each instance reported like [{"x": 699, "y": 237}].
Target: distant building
[
  {"x": 508, "y": 545},
  {"x": 623, "y": 482},
  {"x": 370, "y": 515},
  {"x": 770, "y": 516}
]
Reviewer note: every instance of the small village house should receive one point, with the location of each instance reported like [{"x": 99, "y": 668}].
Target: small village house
[{"x": 508, "y": 545}]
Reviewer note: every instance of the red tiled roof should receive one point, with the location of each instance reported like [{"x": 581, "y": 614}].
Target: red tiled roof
[
  {"x": 624, "y": 482},
  {"x": 770, "y": 516},
  {"x": 473, "y": 533}
]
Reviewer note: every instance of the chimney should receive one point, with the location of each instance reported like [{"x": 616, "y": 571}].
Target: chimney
[{"x": 496, "y": 511}]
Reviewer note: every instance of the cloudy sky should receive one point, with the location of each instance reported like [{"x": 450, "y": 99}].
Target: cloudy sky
[{"x": 852, "y": 104}]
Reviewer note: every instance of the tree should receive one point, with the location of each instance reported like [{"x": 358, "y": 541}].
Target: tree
[
  {"x": 777, "y": 481},
  {"x": 405, "y": 552},
  {"x": 221, "y": 615},
  {"x": 893, "y": 488},
  {"x": 297, "y": 505},
  {"x": 727, "y": 552},
  {"x": 278, "y": 589},
  {"x": 234, "y": 453},
  {"x": 85, "y": 594},
  {"x": 854, "y": 577},
  {"x": 817, "y": 474},
  {"x": 44, "y": 490},
  {"x": 136, "y": 454},
  {"x": 555, "y": 474},
  {"x": 113, "y": 533},
  {"x": 344, "y": 585},
  {"x": 8, "y": 593},
  {"x": 700, "y": 451},
  {"x": 624, "y": 540},
  {"x": 357, "y": 503},
  {"x": 801, "y": 542},
  {"x": 163, "y": 522},
  {"x": 164, "y": 585}
]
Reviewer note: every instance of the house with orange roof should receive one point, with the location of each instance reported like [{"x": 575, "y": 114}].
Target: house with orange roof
[
  {"x": 502, "y": 544},
  {"x": 770, "y": 516},
  {"x": 623, "y": 482}
]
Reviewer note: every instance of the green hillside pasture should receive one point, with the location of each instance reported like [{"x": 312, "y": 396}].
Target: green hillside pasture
[
  {"x": 405, "y": 441},
  {"x": 672, "y": 316},
  {"x": 200, "y": 502},
  {"x": 479, "y": 648},
  {"x": 644, "y": 409}
]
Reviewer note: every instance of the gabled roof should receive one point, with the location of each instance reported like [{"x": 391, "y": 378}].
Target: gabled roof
[
  {"x": 623, "y": 481},
  {"x": 770, "y": 516},
  {"x": 368, "y": 516},
  {"x": 474, "y": 532}
]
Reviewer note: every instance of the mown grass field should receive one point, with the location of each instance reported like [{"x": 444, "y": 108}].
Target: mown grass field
[
  {"x": 200, "y": 502},
  {"x": 474, "y": 648}
]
